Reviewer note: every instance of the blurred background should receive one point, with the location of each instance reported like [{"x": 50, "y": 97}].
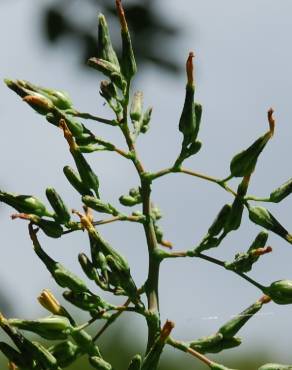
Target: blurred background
[{"x": 243, "y": 66}]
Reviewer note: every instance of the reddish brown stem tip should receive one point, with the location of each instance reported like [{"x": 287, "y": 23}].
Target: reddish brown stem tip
[
  {"x": 122, "y": 17},
  {"x": 265, "y": 299},
  {"x": 271, "y": 121},
  {"x": 261, "y": 251},
  {"x": 190, "y": 68},
  {"x": 166, "y": 330}
]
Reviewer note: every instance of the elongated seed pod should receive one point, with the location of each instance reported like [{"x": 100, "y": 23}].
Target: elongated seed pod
[
  {"x": 260, "y": 240},
  {"x": 220, "y": 220},
  {"x": 136, "y": 106},
  {"x": 261, "y": 216},
  {"x": 52, "y": 327},
  {"x": 99, "y": 363},
  {"x": 233, "y": 326},
  {"x": 98, "y": 205},
  {"x": 105, "y": 48},
  {"x": 65, "y": 353},
  {"x": 281, "y": 192},
  {"x": 108, "y": 69},
  {"x": 243, "y": 163},
  {"x": 62, "y": 276},
  {"x": 214, "y": 343},
  {"x": 75, "y": 180},
  {"x": 25, "y": 203},
  {"x": 233, "y": 220},
  {"x": 86, "y": 301},
  {"x": 62, "y": 214},
  {"x": 128, "y": 63}
]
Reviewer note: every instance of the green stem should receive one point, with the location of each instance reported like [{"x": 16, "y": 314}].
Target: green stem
[
  {"x": 151, "y": 285},
  {"x": 186, "y": 171},
  {"x": 257, "y": 199},
  {"x": 185, "y": 348},
  {"x": 212, "y": 260},
  {"x": 93, "y": 118}
]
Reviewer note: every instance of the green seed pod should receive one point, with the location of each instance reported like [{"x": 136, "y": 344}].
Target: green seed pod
[
  {"x": 235, "y": 215},
  {"x": 44, "y": 357},
  {"x": 190, "y": 119},
  {"x": 65, "y": 353},
  {"x": 39, "y": 103},
  {"x": 271, "y": 366},
  {"x": 85, "y": 342},
  {"x": 87, "y": 175},
  {"x": 219, "y": 222},
  {"x": 261, "y": 216},
  {"x": 187, "y": 122},
  {"x": 62, "y": 276},
  {"x": 50, "y": 228},
  {"x": 60, "y": 99},
  {"x": 86, "y": 301},
  {"x": 232, "y": 327},
  {"x": 146, "y": 120},
  {"x": 135, "y": 363},
  {"x": 25, "y": 204},
  {"x": 281, "y": 192},
  {"x": 214, "y": 343},
  {"x": 128, "y": 63},
  {"x": 260, "y": 241},
  {"x": 75, "y": 181},
  {"x": 16, "y": 87},
  {"x": 280, "y": 291},
  {"x": 87, "y": 266},
  {"x": 243, "y": 262},
  {"x": 14, "y": 356},
  {"x": 136, "y": 106},
  {"x": 108, "y": 69},
  {"x": 52, "y": 327},
  {"x": 99, "y": 363},
  {"x": 194, "y": 148},
  {"x": 243, "y": 163},
  {"x": 104, "y": 47},
  {"x": 62, "y": 214},
  {"x": 128, "y": 201},
  {"x": 98, "y": 205},
  {"x": 121, "y": 270}
]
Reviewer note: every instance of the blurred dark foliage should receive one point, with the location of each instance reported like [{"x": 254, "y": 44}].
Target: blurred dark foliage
[{"x": 152, "y": 34}]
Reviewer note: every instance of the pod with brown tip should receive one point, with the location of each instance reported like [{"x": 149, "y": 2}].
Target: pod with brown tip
[{"x": 243, "y": 163}]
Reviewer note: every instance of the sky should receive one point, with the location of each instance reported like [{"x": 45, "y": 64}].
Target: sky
[{"x": 243, "y": 66}]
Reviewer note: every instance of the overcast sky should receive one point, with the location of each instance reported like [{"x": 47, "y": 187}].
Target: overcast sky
[{"x": 243, "y": 60}]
